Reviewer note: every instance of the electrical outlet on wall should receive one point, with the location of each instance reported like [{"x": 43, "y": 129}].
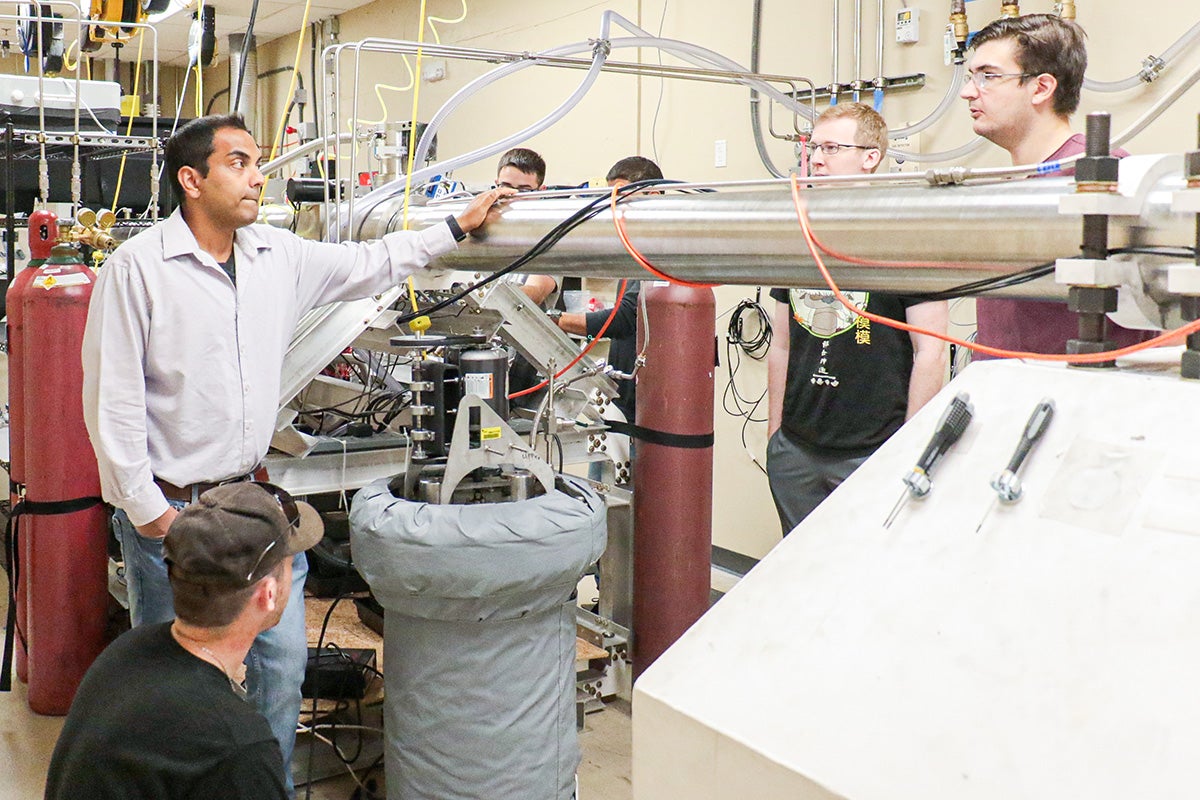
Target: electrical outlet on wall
[{"x": 719, "y": 159}]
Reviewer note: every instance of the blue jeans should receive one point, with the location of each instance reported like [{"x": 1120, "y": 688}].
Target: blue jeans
[{"x": 276, "y": 661}]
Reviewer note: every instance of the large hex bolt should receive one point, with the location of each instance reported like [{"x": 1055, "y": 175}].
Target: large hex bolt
[
  {"x": 1189, "y": 363},
  {"x": 1191, "y": 168},
  {"x": 1092, "y": 303}
]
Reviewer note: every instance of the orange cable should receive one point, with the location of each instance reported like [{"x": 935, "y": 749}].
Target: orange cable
[
  {"x": 1073, "y": 358},
  {"x": 599, "y": 335},
  {"x": 619, "y": 224}
]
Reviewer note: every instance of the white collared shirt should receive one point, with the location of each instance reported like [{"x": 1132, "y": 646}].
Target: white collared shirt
[{"x": 181, "y": 369}]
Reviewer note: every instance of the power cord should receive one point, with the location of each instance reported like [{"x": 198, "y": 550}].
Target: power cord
[
  {"x": 758, "y": 341},
  {"x": 313, "y": 726},
  {"x": 749, "y": 333}
]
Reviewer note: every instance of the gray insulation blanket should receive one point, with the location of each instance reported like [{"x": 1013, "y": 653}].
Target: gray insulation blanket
[{"x": 479, "y": 638}]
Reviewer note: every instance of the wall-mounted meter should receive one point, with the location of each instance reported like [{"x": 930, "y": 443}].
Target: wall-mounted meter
[{"x": 908, "y": 25}]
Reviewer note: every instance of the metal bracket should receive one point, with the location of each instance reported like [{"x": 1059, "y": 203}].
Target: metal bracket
[
  {"x": 1184, "y": 279},
  {"x": 1090, "y": 272},
  {"x": 913, "y": 81},
  {"x": 1138, "y": 177},
  {"x": 498, "y": 444},
  {"x": 1186, "y": 201}
]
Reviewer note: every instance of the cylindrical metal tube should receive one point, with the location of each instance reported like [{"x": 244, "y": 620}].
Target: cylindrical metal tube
[
  {"x": 429, "y": 489},
  {"x": 856, "y": 83},
  {"x": 521, "y": 484},
  {"x": 672, "y": 547},
  {"x": 753, "y": 238},
  {"x": 879, "y": 46},
  {"x": 837, "y": 33}
]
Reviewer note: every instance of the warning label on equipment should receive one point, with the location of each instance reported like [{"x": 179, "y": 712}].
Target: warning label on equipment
[
  {"x": 50, "y": 281},
  {"x": 488, "y": 434},
  {"x": 478, "y": 384}
]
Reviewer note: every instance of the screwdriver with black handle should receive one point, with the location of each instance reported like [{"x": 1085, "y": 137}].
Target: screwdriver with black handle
[
  {"x": 1007, "y": 485},
  {"x": 950, "y": 427}
]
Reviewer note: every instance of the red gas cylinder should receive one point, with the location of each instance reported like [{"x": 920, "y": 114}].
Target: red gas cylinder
[
  {"x": 43, "y": 232},
  {"x": 673, "y": 473},
  {"x": 66, "y": 569}
]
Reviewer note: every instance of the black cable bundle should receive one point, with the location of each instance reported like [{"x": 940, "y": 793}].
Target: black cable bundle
[{"x": 543, "y": 245}]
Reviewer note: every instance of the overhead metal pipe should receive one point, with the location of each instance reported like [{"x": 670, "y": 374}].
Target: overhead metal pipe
[
  {"x": 837, "y": 32},
  {"x": 752, "y": 237},
  {"x": 755, "y": 121},
  {"x": 879, "y": 57},
  {"x": 856, "y": 84}
]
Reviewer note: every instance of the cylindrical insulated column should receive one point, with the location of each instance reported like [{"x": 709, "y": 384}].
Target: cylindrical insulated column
[
  {"x": 479, "y": 638},
  {"x": 672, "y": 549}
]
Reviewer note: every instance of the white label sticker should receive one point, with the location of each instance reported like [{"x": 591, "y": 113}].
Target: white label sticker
[
  {"x": 51, "y": 281},
  {"x": 478, "y": 384}
]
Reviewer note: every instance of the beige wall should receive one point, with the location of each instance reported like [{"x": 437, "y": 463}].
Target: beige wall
[{"x": 617, "y": 118}]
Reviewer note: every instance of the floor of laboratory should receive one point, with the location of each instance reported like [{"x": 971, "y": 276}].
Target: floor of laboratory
[{"x": 27, "y": 741}]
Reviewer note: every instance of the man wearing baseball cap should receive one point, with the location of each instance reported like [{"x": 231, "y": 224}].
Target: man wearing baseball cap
[{"x": 162, "y": 712}]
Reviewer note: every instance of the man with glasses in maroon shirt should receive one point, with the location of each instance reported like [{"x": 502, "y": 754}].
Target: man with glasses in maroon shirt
[{"x": 1022, "y": 87}]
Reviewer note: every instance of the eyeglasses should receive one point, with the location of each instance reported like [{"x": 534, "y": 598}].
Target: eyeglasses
[
  {"x": 832, "y": 148},
  {"x": 984, "y": 80},
  {"x": 287, "y": 504}
]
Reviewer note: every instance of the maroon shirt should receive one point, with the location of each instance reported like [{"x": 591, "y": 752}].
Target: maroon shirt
[{"x": 1041, "y": 326}]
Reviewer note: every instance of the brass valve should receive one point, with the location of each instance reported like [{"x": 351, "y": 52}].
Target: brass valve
[
  {"x": 962, "y": 30},
  {"x": 92, "y": 228}
]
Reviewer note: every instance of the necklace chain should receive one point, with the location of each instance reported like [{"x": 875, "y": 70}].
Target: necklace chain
[{"x": 238, "y": 687}]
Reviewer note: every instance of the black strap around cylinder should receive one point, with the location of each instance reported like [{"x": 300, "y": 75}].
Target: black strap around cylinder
[
  {"x": 22, "y": 508},
  {"x": 687, "y": 441}
]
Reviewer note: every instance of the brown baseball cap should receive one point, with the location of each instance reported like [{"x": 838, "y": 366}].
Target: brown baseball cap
[{"x": 235, "y": 534}]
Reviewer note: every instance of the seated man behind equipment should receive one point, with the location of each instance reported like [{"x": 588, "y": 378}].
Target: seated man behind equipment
[
  {"x": 838, "y": 384},
  {"x": 525, "y": 171},
  {"x": 622, "y": 352},
  {"x": 162, "y": 712}
]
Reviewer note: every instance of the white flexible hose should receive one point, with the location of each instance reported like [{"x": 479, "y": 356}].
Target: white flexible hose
[
  {"x": 1156, "y": 110},
  {"x": 684, "y": 50},
  {"x": 1146, "y": 74},
  {"x": 946, "y": 155},
  {"x": 948, "y": 101}
]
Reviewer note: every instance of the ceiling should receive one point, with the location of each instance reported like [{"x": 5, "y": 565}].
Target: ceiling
[{"x": 275, "y": 18}]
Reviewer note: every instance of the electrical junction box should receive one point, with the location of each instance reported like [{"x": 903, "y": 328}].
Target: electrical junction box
[
  {"x": 99, "y": 106},
  {"x": 908, "y": 25}
]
